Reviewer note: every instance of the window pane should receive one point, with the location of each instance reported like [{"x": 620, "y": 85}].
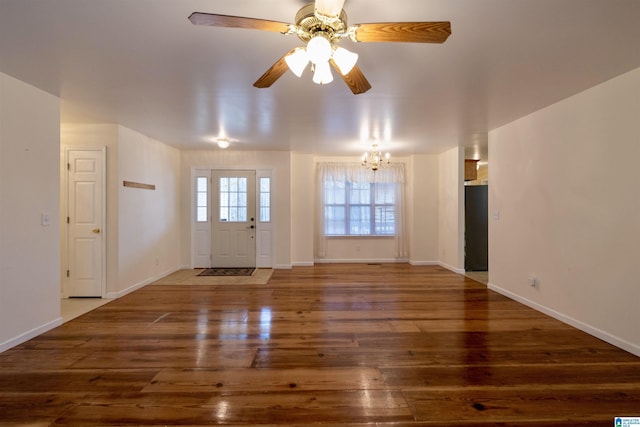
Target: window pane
[
  {"x": 265, "y": 185},
  {"x": 202, "y": 199},
  {"x": 233, "y": 199},
  {"x": 360, "y": 193},
  {"x": 385, "y": 220},
  {"x": 335, "y": 193},
  {"x": 384, "y": 194},
  {"x": 201, "y": 184},
  {"x": 265, "y": 199},
  {"x": 335, "y": 220},
  {"x": 201, "y": 214},
  {"x": 360, "y": 220},
  {"x": 265, "y": 214}
]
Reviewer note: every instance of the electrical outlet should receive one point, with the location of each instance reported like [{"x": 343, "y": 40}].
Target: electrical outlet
[{"x": 533, "y": 280}]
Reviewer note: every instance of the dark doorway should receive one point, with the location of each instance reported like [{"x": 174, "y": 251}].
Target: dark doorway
[{"x": 476, "y": 223}]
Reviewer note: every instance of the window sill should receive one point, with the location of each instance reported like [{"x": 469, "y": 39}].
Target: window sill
[{"x": 374, "y": 236}]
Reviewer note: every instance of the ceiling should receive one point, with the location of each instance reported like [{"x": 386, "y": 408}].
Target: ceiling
[{"x": 142, "y": 64}]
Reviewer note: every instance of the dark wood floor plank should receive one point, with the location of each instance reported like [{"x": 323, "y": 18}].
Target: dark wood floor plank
[
  {"x": 504, "y": 405},
  {"x": 389, "y": 345}
]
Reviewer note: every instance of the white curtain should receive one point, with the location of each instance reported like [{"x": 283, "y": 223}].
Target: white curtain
[{"x": 355, "y": 172}]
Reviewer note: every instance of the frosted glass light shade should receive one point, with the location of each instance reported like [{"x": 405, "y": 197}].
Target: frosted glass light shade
[
  {"x": 319, "y": 49},
  {"x": 345, "y": 60},
  {"x": 297, "y": 61},
  {"x": 322, "y": 74}
]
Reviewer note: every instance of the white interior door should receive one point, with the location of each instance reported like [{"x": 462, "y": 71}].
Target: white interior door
[
  {"x": 85, "y": 220},
  {"x": 233, "y": 242}
]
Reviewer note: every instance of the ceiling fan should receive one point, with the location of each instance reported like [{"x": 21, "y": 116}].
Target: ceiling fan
[{"x": 321, "y": 25}]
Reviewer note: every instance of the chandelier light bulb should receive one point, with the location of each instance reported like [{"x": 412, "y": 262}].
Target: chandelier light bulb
[
  {"x": 319, "y": 49},
  {"x": 322, "y": 74},
  {"x": 345, "y": 60},
  {"x": 297, "y": 61}
]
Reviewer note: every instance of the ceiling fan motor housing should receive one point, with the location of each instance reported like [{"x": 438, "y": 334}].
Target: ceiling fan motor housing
[{"x": 309, "y": 23}]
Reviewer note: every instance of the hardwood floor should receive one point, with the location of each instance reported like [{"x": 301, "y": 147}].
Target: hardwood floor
[{"x": 337, "y": 345}]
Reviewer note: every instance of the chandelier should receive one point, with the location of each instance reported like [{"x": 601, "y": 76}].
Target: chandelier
[{"x": 374, "y": 159}]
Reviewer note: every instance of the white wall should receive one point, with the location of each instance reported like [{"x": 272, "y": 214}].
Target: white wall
[
  {"x": 302, "y": 209},
  {"x": 451, "y": 209},
  {"x": 564, "y": 182},
  {"x": 149, "y": 220},
  {"x": 277, "y": 161},
  {"x": 29, "y": 187},
  {"x": 423, "y": 204}
]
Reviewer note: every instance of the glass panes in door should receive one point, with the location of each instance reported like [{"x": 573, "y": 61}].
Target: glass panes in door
[{"x": 233, "y": 199}]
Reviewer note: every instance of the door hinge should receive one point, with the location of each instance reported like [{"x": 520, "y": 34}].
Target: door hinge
[
  {"x": 68, "y": 166},
  {"x": 68, "y": 220},
  {"x": 67, "y": 273}
]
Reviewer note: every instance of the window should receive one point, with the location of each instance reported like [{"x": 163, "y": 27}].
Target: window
[
  {"x": 359, "y": 208},
  {"x": 202, "y": 209},
  {"x": 354, "y": 201},
  {"x": 233, "y": 199},
  {"x": 265, "y": 199}
]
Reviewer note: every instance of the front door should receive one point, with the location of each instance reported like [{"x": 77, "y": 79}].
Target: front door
[
  {"x": 85, "y": 223},
  {"x": 233, "y": 241}
]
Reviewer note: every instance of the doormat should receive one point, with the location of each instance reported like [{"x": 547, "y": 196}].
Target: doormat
[{"x": 227, "y": 272}]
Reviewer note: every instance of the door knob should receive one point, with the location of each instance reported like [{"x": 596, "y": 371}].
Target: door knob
[{"x": 96, "y": 231}]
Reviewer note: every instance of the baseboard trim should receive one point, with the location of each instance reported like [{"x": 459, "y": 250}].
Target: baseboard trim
[
  {"x": 135, "y": 287},
  {"x": 454, "y": 269},
  {"x": 303, "y": 264},
  {"x": 361, "y": 261},
  {"x": 10, "y": 343},
  {"x": 421, "y": 263},
  {"x": 584, "y": 327}
]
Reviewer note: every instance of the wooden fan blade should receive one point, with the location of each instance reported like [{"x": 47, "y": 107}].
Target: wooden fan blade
[
  {"x": 416, "y": 32},
  {"x": 356, "y": 81},
  {"x": 274, "y": 73},
  {"x": 215, "y": 20}
]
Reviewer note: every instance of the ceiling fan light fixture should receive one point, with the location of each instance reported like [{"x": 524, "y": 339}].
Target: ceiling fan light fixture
[
  {"x": 319, "y": 49},
  {"x": 322, "y": 73},
  {"x": 297, "y": 61},
  {"x": 223, "y": 142},
  {"x": 345, "y": 60}
]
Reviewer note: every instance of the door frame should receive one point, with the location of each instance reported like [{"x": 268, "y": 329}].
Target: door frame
[
  {"x": 262, "y": 229},
  {"x": 64, "y": 236}
]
